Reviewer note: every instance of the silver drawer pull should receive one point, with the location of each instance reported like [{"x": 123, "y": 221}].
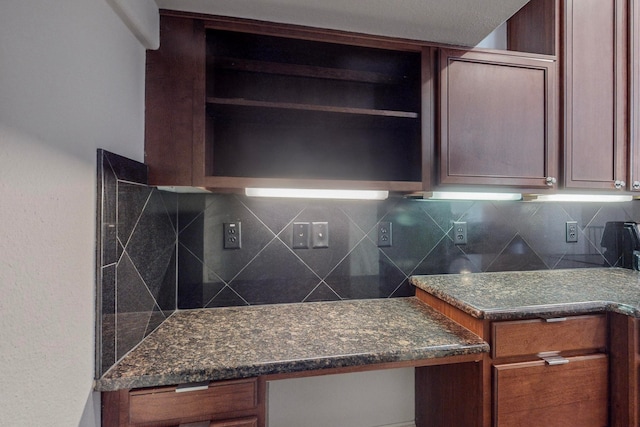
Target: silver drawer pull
[
  {"x": 552, "y": 358},
  {"x": 183, "y": 388},
  {"x": 553, "y": 319},
  {"x": 557, "y": 360}
]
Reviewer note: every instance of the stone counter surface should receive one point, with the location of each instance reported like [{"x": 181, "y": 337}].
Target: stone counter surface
[
  {"x": 516, "y": 295},
  {"x": 238, "y": 342}
]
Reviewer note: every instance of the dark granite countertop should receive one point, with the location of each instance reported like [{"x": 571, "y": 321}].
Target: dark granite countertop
[
  {"x": 514, "y": 295},
  {"x": 239, "y": 342}
]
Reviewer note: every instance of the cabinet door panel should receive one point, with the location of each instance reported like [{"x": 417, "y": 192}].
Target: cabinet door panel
[
  {"x": 496, "y": 119},
  {"x": 533, "y": 393},
  {"x": 595, "y": 93},
  {"x": 634, "y": 94}
]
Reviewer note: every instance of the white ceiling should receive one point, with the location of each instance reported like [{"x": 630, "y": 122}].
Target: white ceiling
[{"x": 458, "y": 22}]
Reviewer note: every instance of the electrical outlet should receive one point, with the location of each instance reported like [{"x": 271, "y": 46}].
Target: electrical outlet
[
  {"x": 232, "y": 235},
  {"x": 320, "y": 234},
  {"x": 571, "y": 231},
  {"x": 300, "y": 235},
  {"x": 385, "y": 234},
  {"x": 460, "y": 232}
]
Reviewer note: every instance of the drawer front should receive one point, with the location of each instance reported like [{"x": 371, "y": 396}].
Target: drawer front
[
  {"x": 164, "y": 403},
  {"x": 530, "y": 337},
  {"x": 534, "y": 393}
]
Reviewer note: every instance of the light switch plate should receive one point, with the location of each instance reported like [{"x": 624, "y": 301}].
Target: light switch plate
[
  {"x": 320, "y": 234},
  {"x": 300, "y": 235}
]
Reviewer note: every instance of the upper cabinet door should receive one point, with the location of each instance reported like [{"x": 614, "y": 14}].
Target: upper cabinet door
[
  {"x": 497, "y": 119},
  {"x": 595, "y": 94},
  {"x": 634, "y": 94}
]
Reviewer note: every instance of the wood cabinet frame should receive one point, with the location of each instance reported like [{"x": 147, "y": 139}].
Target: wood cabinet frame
[
  {"x": 176, "y": 149},
  {"x": 623, "y": 351}
]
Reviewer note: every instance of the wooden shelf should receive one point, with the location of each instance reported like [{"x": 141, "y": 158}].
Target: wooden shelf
[
  {"x": 304, "y": 71},
  {"x": 311, "y": 107}
]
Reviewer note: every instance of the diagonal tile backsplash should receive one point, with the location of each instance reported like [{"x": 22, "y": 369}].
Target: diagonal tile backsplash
[
  {"x": 136, "y": 257},
  {"x": 159, "y": 251},
  {"x": 502, "y": 236}
]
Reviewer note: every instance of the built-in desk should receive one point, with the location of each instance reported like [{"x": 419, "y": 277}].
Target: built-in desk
[
  {"x": 481, "y": 345},
  {"x": 225, "y": 356}
]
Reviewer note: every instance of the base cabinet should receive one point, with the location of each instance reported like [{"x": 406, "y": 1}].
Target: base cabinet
[
  {"x": 624, "y": 343},
  {"x": 568, "y": 371},
  {"x": 553, "y": 371}
]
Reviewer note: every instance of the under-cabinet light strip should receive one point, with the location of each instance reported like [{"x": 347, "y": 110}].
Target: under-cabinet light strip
[
  {"x": 305, "y": 193},
  {"x": 468, "y": 195},
  {"x": 578, "y": 197}
]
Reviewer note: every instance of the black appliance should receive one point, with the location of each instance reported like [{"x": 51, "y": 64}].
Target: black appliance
[{"x": 621, "y": 239}]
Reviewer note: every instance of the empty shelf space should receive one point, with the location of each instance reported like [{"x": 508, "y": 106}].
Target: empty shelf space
[
  {"x": 311, "y": 107},
  {"x": 304, "y": 71}
]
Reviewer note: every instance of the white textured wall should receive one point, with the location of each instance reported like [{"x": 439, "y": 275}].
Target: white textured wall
[
  {"x": 71, "y": 80},
  {"x": 363, "y": 399}
]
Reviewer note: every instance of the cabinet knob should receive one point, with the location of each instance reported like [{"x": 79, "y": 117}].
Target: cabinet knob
[
  {"x": 636, "y": 185},
  {"x": 619, "y": 184},
  {"x": 551, "y": 181}
]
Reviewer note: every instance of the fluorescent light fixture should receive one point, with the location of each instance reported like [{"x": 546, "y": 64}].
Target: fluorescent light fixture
[
  {"x": 182, "y": 189},
  {"x": 578, "y": 197},
  {"x": 471, "y": 195},
  {"x": 307, "y": 193}
]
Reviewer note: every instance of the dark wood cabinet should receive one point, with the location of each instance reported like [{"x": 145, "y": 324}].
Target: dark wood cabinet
[
  {"x": 634, "y": 95},
  {"x": 573, "y": 394},
  {"x": 554, "y": 372},
  {"x": 590, "y": 38},
  {"x": 497, "y": 119},
  {"x": 173, "y": 100},
  {"x": 234, "y": 103},
  {"x": 624, "y": 344},
  {"x": 595, "y": 93}
]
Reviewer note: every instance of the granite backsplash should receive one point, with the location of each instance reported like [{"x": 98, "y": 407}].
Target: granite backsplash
[{"x": 160, "y": 251}]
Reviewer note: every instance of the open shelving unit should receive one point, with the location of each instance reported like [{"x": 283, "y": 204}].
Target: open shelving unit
[{"x": 312, "y": 112}]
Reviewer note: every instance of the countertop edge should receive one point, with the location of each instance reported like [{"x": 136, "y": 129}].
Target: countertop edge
[
  {"x": 527, "y": 311},
  {"x": 294, "y": 366}
]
